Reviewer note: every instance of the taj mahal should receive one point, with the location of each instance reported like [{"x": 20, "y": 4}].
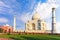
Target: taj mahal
[{"x": 36, "y": 24}]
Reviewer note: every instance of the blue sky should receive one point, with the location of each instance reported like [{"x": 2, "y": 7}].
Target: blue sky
[{"x": 24, "y": 9}]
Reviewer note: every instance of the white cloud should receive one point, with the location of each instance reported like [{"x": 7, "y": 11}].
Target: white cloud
[
  {"x": 2, "y": 7},
  {"x": 58, "y": 27},
  {"x": 45, "y": 9},
  {"x": 25, "y": 17},
  {"x": 3, "y": 20},
  {"x": 2, "y": 4},
  {"x": 48, "y": 26}
]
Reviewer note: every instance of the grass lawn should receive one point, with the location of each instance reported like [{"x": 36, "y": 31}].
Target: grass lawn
[{"x": 32, "y": 37}]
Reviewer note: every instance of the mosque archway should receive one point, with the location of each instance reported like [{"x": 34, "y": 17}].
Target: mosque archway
[{"x": 33, "y": 26}]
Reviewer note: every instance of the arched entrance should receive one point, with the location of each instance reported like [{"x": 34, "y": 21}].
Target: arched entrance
[
  {"x": 39, "y": 25},
  {"x": 33, "y": 26}
]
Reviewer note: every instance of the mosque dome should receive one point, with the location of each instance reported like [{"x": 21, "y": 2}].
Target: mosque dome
[
  {"x": 6, "y": 25},
  {"x": 36, "y": 16}
]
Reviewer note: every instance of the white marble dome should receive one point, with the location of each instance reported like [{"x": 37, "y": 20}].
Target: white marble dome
[{"x": 36, "y": 16}]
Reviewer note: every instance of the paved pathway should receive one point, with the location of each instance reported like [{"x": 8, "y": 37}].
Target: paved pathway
[{"x": 6, "y": 39}]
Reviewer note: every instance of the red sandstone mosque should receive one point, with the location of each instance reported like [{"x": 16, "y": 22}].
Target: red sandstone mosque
[{"x": 6, "y": 28}]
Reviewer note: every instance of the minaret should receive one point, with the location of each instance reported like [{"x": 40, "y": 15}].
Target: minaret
[
  {"x": 14, "y": 23},
  {"x": 53, "y": 21}
]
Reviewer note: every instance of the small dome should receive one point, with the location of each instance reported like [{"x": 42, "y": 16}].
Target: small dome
[
  {"x": 6, "y": 25},
  {"x": 36, "y": 16}
]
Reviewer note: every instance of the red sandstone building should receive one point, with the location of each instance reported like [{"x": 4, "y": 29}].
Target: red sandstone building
[{"x": 6, "y": 28}]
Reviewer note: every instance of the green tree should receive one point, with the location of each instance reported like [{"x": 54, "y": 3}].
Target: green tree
[{"x": 1, "y": 30}]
